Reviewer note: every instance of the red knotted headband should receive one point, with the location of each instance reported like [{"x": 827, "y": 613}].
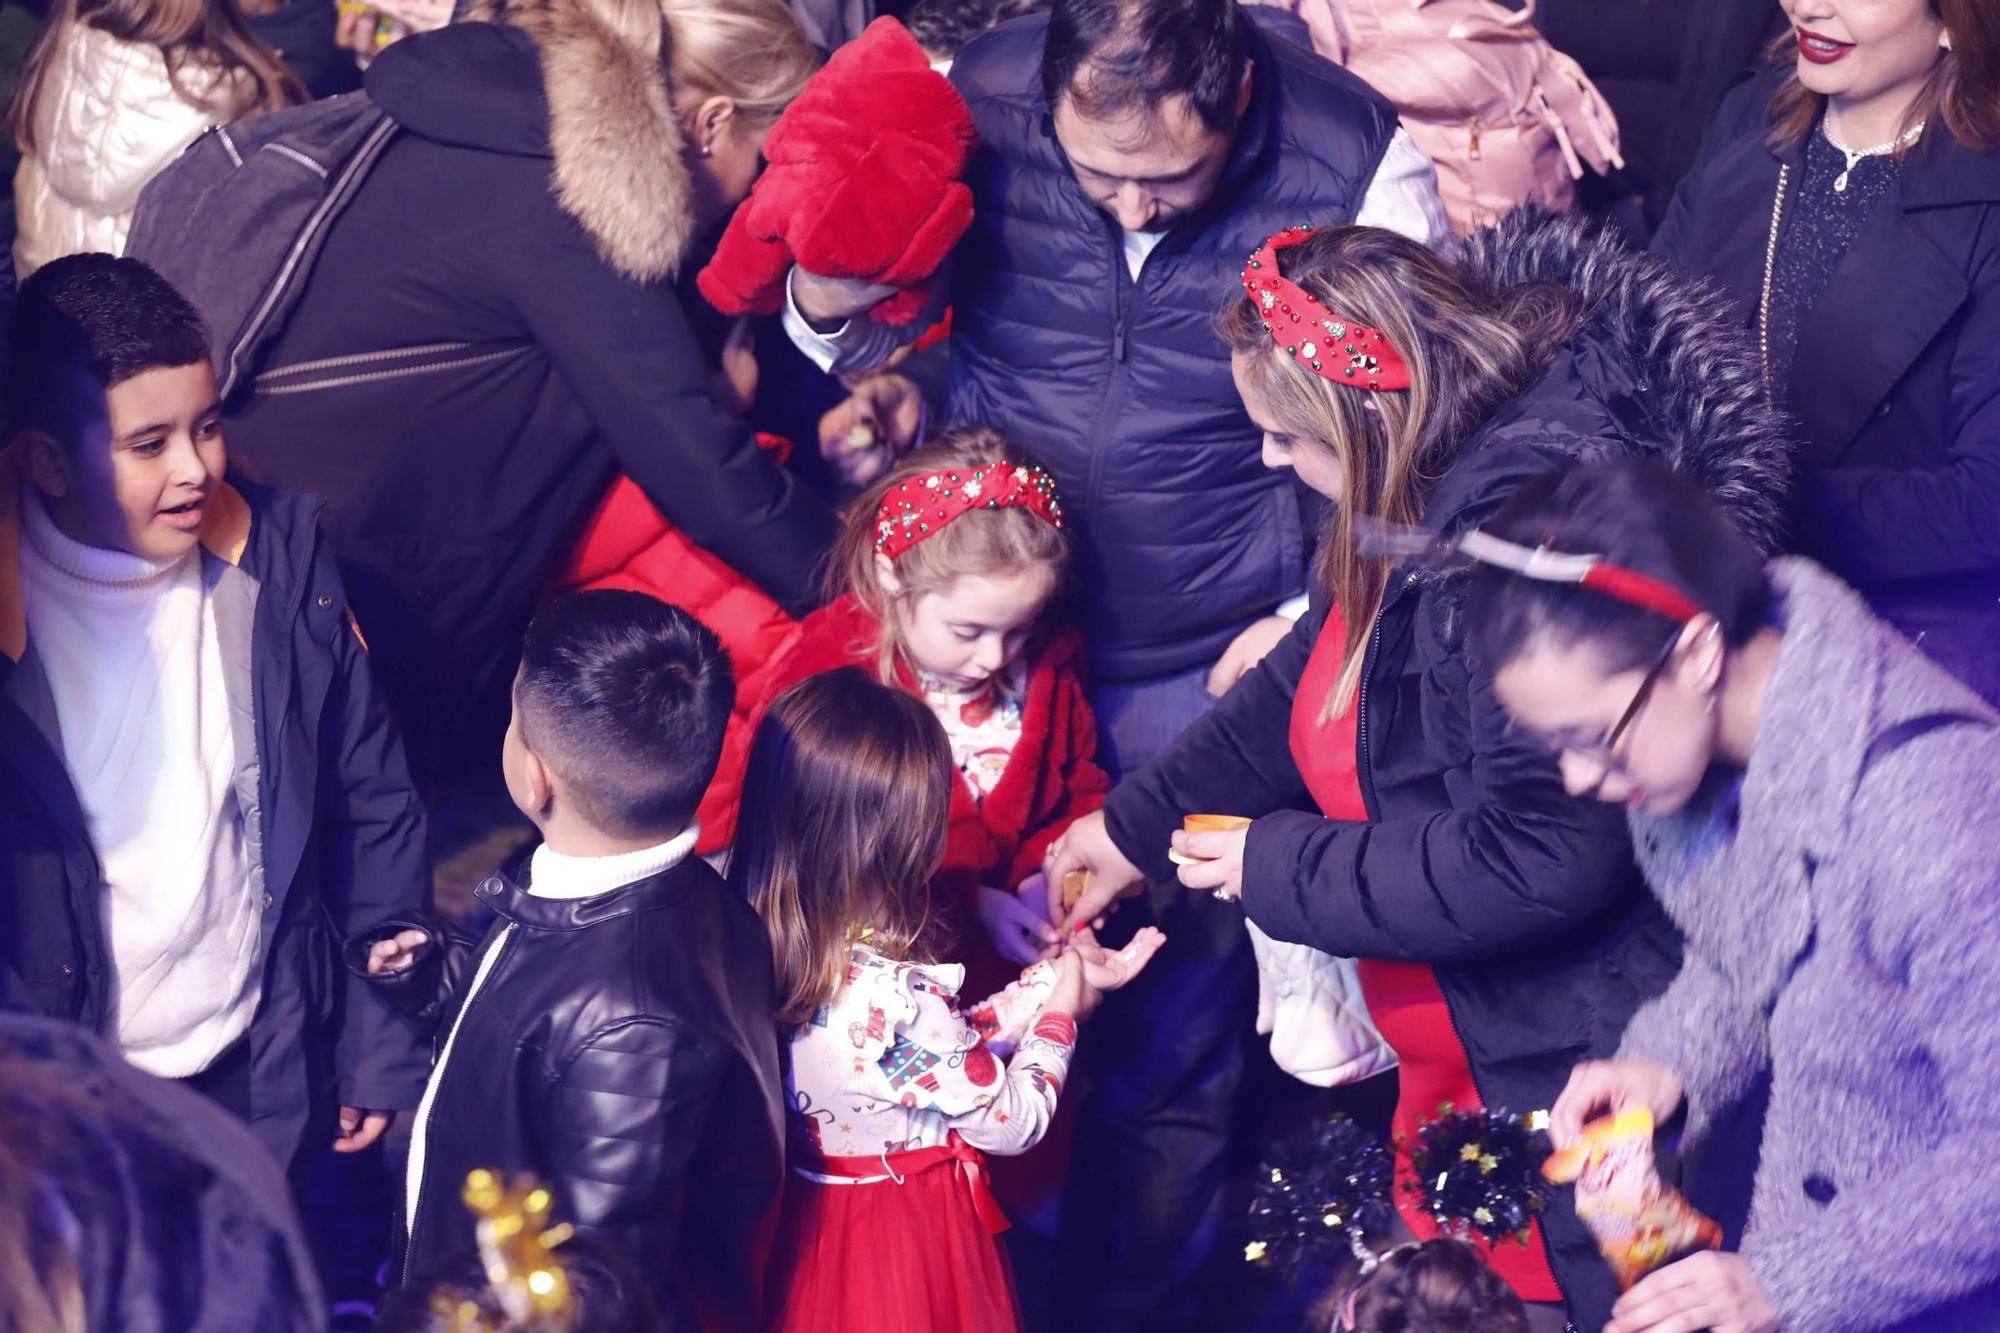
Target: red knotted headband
[
  {"x": 917, "y": 508},
  {"x": 1328, "y": 345}
]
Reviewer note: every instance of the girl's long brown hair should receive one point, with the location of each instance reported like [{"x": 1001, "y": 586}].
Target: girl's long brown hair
[
  {"x": 195, "y": 37},
  {"x": 983, "y": 541},
  {"x": 1469, "y": 351},
  {"x": 44, "y": 1120},
  {"x": 842, "y": 826},
  {"x": 1963, "y": 90}
]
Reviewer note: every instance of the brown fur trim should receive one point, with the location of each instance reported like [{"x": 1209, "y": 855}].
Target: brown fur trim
[{"x": 618, "y": 145}]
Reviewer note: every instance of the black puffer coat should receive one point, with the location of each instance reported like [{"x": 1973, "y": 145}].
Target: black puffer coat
[
  {"x": 1475, "y": 860},
  {"x": 622, "y": 1048}
]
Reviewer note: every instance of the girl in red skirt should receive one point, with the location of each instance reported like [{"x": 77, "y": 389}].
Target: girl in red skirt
[{"x": 897, "y": 1091}]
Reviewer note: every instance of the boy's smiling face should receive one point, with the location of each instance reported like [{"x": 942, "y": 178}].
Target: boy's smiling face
[{"x": 143, "y": 471}]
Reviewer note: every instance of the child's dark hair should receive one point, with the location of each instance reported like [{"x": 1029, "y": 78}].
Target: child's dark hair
[
  {"x": 842, "y": 827},
  {"x": 1439, "y": 1286},
  {"x": 108, "y": 317},
  {"x": 943, "y": 26},
  {"x": 606, "y": 1296},
  {"x": 624, "y": 698},
  {"x": 1637, "y": 515}
]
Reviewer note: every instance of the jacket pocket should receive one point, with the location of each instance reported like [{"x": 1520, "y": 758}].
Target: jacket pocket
[
  {"x": 346, "y": 372},
  {"x": 321, "y": 968}
]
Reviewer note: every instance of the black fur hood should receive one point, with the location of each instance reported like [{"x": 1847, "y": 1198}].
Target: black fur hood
[{"x": 1659, "y": 365}]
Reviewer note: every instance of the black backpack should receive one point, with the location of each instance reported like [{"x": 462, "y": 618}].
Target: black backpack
[{"x": 237, "y": 220}]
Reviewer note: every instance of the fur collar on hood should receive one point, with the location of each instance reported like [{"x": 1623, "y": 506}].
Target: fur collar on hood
[
  {"x": 618, "y": 146},
  {"x": 1694, "y": 385}
]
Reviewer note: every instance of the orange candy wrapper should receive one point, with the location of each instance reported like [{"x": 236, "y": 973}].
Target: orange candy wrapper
[
  {"x": 1639, "y": 1223},
  {"x": 1205, "y": 824}
]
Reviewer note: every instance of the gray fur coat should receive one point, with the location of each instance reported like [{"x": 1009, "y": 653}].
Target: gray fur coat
[{"x": 1842, "y": 912}]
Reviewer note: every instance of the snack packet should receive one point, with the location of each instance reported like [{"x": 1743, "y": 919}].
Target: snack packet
[
  {"x": 1205, "y": 824},
  {"x": 1639, "y": 1222}
]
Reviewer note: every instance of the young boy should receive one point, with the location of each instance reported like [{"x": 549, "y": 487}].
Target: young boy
[
  {"x": 613, "y": 1035},
  {"x": 215, "y": 789}
]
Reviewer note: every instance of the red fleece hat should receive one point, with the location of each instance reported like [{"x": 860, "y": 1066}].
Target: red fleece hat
[{"x": 862, "y": 182}]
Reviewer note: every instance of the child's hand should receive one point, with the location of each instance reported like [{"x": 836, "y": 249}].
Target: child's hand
[
  {"x": 1016, "y": 928},
  {"x": 395, "y": 953},
  {"x": 1606, "y": 1087},
  {"x": 1108, "y": 969},
  {"x": 361, "y": 1127}
]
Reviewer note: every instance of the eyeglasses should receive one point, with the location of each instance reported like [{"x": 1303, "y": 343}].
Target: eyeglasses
[{"x": 1604, "y": 750}]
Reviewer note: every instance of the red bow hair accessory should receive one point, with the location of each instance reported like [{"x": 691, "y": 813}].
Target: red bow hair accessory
[
  {"x": 1329, "y": 346},
  {"x": 919, "y": 507}
]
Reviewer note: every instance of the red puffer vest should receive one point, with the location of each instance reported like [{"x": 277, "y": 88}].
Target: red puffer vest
[{"x": 628, "y": 544}]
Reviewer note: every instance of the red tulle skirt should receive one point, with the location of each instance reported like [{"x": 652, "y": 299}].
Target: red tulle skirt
[{"x": 919, "y": 1256}]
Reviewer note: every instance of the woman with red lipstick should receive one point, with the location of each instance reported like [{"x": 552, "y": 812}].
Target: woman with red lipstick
[{"x": 1848, "y": 201}]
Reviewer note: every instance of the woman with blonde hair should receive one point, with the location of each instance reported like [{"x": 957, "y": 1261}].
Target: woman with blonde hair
[
  {"x": 495, "y": 326},
  {"x": 114, "y": 91},
  {"x": 1502, "y": 931}
]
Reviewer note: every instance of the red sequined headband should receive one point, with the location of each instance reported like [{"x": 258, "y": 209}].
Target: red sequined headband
[
  {"x": 917, "y": 508},
  {"x": 1330, "y": 347}
]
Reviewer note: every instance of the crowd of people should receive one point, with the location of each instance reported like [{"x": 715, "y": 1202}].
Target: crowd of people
[{"x": 1572, "y": 598}]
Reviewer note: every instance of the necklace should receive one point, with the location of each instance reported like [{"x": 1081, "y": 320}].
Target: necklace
[
  {"x": 1854, "y": 155},
  {"x": 1770, "y": 269}
]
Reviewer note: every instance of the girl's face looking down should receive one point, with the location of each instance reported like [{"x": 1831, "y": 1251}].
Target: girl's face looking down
[
  {"x": 1642, "y": 737},
  {"x": 971, "y": 629}
]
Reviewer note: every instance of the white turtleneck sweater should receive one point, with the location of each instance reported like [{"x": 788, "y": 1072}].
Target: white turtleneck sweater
[{"x": 130, "y": 652}]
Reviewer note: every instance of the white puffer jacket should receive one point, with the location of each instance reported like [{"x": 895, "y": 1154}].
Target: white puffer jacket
[{"x": 108, "y": 118}]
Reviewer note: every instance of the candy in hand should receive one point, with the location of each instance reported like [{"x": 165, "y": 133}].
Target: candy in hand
[{"x": 1205, "y": 824}]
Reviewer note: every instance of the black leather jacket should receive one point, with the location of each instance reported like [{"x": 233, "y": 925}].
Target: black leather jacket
[{"x": 620, "y": 1047}]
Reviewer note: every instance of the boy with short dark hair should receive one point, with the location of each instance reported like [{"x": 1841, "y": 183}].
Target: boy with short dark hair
[
  {"x": 218, "y": 791},
  {"x": 613, "y": 1034}
]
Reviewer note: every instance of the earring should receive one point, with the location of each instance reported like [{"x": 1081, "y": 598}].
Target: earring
[
  {"x": 1945, "y": 41},
  {"x": 708, "y": 150}
]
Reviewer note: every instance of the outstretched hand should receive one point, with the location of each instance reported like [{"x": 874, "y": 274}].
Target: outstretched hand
[{"x": 1110, "y": 969}]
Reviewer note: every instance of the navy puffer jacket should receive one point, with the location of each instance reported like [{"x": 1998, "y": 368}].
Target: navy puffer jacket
[{"x": 1123, "y": 388}]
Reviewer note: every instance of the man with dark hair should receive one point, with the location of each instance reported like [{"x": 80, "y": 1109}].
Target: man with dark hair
[
  {"x": 1132, "y": 155},
  {"x": 613, "y": 1034},
  {"x": 211, "y": 781}
]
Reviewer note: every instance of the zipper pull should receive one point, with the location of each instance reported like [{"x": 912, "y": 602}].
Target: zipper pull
[{"x": 1118, "y": 339}]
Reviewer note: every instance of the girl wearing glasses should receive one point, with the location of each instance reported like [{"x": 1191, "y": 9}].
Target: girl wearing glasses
[
  {"x": 1502, "y": 931},
  {"x": 1813, "y": 802}
]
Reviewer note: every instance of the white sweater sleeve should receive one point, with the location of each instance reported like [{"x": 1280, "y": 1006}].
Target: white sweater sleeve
[{"x": 1403, "y": 196}]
